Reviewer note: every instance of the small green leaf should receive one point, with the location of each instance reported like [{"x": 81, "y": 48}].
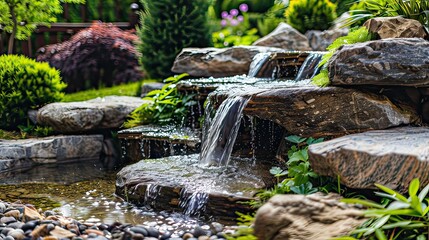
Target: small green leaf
[
  {"x": 380, "y": 234},
  {"x": 414, "y": 187},
  {"x": 392, "y": 192},
  {"x": 295, "y": 139}
]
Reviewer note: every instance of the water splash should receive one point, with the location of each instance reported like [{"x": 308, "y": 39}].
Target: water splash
[
  {"x": 219, "y": 138},
  {"x": 193, "y": 204},
  {"x": 151, "y": 194},
  {"x": 310, "y": 67}
]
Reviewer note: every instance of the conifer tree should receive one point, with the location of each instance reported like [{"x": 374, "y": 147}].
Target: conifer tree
[{"x": 168, "y": 26}]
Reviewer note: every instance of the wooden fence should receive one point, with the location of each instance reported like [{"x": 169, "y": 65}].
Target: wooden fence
[{"x": 62, "y": 31}]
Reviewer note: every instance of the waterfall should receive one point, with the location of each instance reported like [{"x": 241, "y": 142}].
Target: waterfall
[
  {"x": 220, "y": 132},
  {"x": 310, "y": 67},
  {"x": 258, "y": 61}
]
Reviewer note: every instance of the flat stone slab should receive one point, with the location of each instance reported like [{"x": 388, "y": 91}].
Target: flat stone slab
[
  {"x": 386, "y": 62},
  {"x": 331, "y": 111},
  {"x": 389, "y": 157},
  {"x": 100, "y": 113},
  {"x": 179, "y": 183},
  {"x": 218, "y": 62},
  {"x": 16, "y": 154}
]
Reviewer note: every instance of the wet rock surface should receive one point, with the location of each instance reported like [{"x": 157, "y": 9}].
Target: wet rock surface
[
  {"x": 16, "y": 154},
  {"x": 382, "y": 62},
  {"x": 396, "y": 27},
  {"x": 218, "y": 62},
  {"x": 389, "y": 157},
  {"x": 329, "y": 111},
  {"x": 285, "y": 37},
  {"x": 100, "y": 113},
  {"x": 300, "y": 217},
  {"x": 179, "y": 183}
]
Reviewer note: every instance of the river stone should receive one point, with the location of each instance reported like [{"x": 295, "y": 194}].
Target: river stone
[
  {"x": 16, "y": 154},
  {"x": 303, "y": 217},
  {"x": 320, "y": 40},
  {"x": 329, "y": 111},
  {"x": 389, "y": 157},
  {"x": 386, "y": 62},
  {"x": 100, "y": 113},
  {"x": 396, "y": 27},
  {"x": 285, "y": 37},
  {"x": 218, "y": 62}
]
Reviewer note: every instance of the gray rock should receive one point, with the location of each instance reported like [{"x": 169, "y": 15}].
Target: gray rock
[
  {"x": 389, "y": 157},
  {"x": 329, "y": 111},
  {"x": 386, "y": 62},
  {"x": 22, "y": 153},
  {"x": 100, "y": 113},
  {"x": 218, "y": 62},
  {"x": 320, "y": 40},
  {"x": 285, "y": 37},
  {"x": 396, "y": 27},
  {"x": 147, "y": 87},
  {"x": 303, "y": 217}
]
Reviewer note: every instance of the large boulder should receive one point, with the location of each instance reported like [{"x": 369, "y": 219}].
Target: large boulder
[
  {"x": 320, "y": 40},
  {"x": 329, "y": 111},
  {"x": 386, "y": 62},
  {"x": 16, "y": 154},
  {"x": 396, "y": 27},
  {"x": 100, "y": 113},
  {"x": 303, "y": 217},
  {"x": 285, "y": 37},
  {"x": 389, "y": 157},
  {"x": 218, "y": 62}
]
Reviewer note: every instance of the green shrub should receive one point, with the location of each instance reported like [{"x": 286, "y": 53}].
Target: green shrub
[
  {"x": 25, "y": 84},
  {"x": 306, "y": 15},
  {"x": 168, "y": 26}
]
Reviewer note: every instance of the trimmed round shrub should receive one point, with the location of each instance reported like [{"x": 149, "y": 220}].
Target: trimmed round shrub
[
  {"x": 25, "y": 84},
  {"x": 306, "y": 15},
  {"x": 168, "y": 26}
]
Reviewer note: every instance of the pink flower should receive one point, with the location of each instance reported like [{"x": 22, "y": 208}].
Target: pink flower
[
  {"x": 223, "y": 22},
  {"x": 234, "y": 22},
  {"x": 233, "y": 12},
  {"x": 240, "y": 18},
  {"x": 243, "y": 7},
  {"x": 224, "y": 14}
]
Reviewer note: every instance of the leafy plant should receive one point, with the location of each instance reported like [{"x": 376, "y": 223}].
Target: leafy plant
[
  {"x": 168, "y": 26},
  {"x": 306, "y": 15},
  {"x": 25, "y": 84},
  {"x": 399, "y": 217},
  {"x": 165, "y": 106},
  {"x": 245, "y": 229},
  {"x": 355, "y": 36},
  {"x": 20, "y": 17},
  {"x": 298, "y": 174},
  {"x": 413, "y": 9}
]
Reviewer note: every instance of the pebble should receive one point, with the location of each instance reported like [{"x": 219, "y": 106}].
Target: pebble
[{"x": 14, "y": 225}]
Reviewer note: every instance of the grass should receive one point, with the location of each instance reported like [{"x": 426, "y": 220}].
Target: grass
[{"x": 128, "y": 89}]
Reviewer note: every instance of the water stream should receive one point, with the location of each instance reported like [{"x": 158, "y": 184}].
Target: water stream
[{"x": 310, "y": 67}]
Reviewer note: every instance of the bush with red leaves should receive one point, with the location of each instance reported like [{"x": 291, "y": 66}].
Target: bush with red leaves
[{"x": 101, "y": 55}]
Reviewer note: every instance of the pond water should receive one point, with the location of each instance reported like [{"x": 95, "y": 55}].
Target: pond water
[{"x": 85, "y": 192}]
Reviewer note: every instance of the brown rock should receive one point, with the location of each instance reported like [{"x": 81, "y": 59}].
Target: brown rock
[
  {"x": 60, "y": 233},
  {"x": 218, "y": 62},
  {"x": 396, "y": 27},
  {"x": 285, "y": 37},
  {"x": 13, "y": 213},
  {"x": 31, "y": 213},
  {"x": 388, "y": 157},
  {"x": 386, "y": 62},
  {"x": 320, "y": 40},
  {"x": 300, "y": 217},
  {"x": 40, "y": 231},
  {"x": 330, "y": 111}
]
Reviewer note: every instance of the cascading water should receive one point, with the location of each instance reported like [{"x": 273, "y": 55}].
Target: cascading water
[
  {"x": 310, "y": 67},
  {"x": 258, "y": 62},
  {"x": 219, "y": 133}
]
